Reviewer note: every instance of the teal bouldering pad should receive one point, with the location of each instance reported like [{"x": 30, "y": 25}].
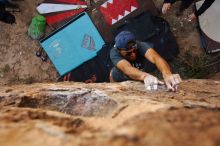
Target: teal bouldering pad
[{"x": 73, "y": 44}]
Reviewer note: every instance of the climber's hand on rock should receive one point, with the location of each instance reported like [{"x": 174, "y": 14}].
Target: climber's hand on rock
[
  {"x": 151, "y": 82},
  {"x": 172, "y": 81}
]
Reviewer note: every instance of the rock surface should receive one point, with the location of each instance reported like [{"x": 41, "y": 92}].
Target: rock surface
[{"x": 77, "y": 114}]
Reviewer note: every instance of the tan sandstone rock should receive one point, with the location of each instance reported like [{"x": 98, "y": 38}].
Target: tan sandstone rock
[{"x": 125, "y": 114}]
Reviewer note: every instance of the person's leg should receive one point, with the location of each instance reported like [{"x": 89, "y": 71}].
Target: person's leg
[
  {"x": 9, "y": 4},
  {"x": 2, "y": 10},
  {"x": 185, "y": 4},
  {"x": 2, "y": 7},
  {"x": 117, "y": 76}
]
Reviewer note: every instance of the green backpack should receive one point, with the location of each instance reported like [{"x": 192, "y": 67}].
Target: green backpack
[{"x": 37, "y": 27}]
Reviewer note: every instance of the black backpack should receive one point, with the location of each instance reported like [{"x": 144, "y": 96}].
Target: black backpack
[{"x": 154, "y": 30}]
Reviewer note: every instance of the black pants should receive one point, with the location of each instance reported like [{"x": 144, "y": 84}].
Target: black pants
[
  {"x": 6, "y": 16},
  {"x": 2, "y": 10}
]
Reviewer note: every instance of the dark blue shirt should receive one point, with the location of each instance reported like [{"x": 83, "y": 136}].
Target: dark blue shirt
[{"x": 142, "y": 48}]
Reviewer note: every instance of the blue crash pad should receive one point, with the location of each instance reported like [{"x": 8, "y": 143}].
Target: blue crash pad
[{"x": 73, "y": 44}]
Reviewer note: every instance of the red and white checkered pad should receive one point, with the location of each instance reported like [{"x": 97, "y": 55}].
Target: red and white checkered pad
[{"x": 115, "y": 10}]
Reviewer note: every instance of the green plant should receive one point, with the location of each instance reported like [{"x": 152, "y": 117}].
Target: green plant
[
  {"x": 4, "y": 70},
  {"x": 195, "y": 66}
]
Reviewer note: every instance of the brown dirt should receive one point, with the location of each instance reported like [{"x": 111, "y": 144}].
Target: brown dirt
[
  {"x": 18, "y": 61},
  {"x": 184, "y": 31}
]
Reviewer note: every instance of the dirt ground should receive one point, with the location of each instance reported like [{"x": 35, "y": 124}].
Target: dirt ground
[
  {"x": 18, "y": 61},
  {"x": 20, "y": 65}
]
